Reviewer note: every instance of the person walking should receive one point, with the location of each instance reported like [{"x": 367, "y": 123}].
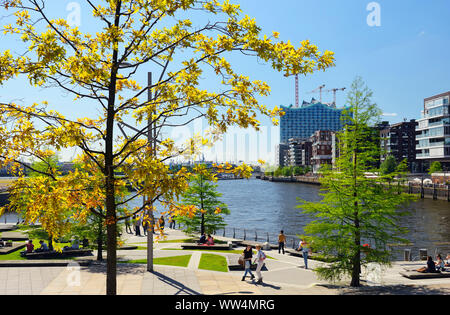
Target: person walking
[
  {"x": 137, "y": 225},
  {"x": 303, "y": 247},
  {"x": 171, "y": 222},
  {"x": 161, "y": 223},
  {"x": 260, "y": 258},
  {"x": 128, "y": 226},
  {"x": 145, "y": 226},
  {"x": 281, "y": 242},
  {"x": 248, "y": 255}
]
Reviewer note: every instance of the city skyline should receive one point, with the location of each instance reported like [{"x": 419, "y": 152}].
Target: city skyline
[{"x": 398, "y": 48}]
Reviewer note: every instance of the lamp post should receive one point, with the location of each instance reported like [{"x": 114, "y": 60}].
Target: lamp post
[{"x": 152, "y": 144}]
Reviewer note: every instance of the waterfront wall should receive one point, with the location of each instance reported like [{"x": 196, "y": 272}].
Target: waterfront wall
[{"x": 433, "y": 191}]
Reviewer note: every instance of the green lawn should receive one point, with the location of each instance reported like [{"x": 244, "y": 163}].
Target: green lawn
[
  {"x": 213, "y": 262},
  {"x": 230, "y": 251},
  {"x": 180, "y": 261},
  {"x": 13, "y": 256}
]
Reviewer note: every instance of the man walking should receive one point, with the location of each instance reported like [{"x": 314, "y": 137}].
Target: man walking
[{"x": 281, "y": 242}]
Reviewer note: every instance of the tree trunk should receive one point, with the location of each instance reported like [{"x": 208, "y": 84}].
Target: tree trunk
[
  {"x": 100, "y": 241},
  {"x": 202, "y": 225},
  {"x": 356, "y": 260},
  {"x": 111, "y": 224}
]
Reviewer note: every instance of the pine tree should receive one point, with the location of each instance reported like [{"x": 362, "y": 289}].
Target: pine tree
[
  {"x": 358, "y": 216},
  {"x": 203, "y": 195}
]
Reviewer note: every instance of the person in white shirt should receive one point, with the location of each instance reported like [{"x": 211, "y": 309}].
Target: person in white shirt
[
  {"x": 260, "y": 258},
  {"x": 305, "y": 251}
]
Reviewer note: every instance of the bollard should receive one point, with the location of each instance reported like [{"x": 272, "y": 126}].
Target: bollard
[
  {"x": 407, "y": 255},
  {"x": 423, "y": 254}
]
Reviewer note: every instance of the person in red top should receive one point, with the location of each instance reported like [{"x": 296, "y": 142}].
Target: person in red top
[
  {"x": 30, "y": 246},
  {"x": 210, "y": 240}
]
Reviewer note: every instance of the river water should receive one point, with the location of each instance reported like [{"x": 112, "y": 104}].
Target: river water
[
  {"x": 263, "y": 208},
  {"x": 270, "y": 207}
]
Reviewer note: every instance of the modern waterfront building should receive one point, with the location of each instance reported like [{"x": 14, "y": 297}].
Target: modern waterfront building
[
  {"x": 302, "y": 122},
  {"x": 299, "y": 153},
  {"x": 281, "y": 154},
  {"x": 321, "y": 149},
  {"x": 433, "y": 131},
  {"x": 399, "y": 141}
]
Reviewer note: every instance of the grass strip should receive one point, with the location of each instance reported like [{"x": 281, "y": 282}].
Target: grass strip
[
  {"x": 179, "y": 261},
  {"x": 213, "y": 262}
]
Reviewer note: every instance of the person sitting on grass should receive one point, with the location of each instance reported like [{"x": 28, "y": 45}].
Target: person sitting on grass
[
  {"x": 210, "y": 240},
  {"x": 43, "y": 248},
  {"x": 30, "y": 246},
  {"x": 202, "y": 239}
]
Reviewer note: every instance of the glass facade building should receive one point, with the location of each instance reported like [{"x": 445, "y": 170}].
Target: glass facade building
[
  {"x": 302, "y": 122},
  {"x": 433, "y": 130}
]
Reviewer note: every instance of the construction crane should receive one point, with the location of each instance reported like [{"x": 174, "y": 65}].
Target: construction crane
[
  {"x": 319, "y": 89},
  {"x": 334, "y": 93}
]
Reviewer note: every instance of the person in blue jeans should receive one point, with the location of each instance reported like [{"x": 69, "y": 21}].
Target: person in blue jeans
[
  {"x": 305, "y": 250},
  {"x": 248, "y": 255}
]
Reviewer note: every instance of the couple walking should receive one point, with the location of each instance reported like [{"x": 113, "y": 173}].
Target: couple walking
[{"x": 260, "y": 258}]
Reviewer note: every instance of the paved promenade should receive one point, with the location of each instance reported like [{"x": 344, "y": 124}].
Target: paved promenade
[{"x": 285, "y": 275}]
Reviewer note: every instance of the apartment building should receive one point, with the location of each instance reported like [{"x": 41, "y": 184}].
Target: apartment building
[{"x": 433, "y": 131}]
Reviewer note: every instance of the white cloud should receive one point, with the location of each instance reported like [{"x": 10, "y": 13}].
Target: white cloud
[{"x": 390, "y": 114}]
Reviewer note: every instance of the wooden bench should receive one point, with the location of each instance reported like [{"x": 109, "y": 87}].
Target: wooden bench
[
  {"x": 207, "y": 247},
  {"x": 413, "y": 275},
  {"x": 55, "y": 254}
]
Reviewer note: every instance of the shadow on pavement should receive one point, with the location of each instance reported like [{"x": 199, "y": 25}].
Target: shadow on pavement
[
  {"x": 390, "y": 290},
  {"x": 177, "y": 285}
]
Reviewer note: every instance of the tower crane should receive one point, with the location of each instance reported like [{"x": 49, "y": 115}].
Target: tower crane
[
  {"x": 319, "y": 89},
  {"x": 334, "y": 93}
]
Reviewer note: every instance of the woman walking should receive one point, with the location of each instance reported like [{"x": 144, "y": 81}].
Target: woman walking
[
  {"x": 305, "y": 251},
  {"x": 248, "y": 255},
  {"x": 260, "y": 258}
]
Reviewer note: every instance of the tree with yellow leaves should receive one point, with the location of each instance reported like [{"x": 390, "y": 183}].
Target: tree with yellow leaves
[{"x": 100, "y": 68}]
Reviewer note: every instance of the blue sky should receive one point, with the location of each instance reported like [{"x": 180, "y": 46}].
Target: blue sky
[{"x": 403, "y": 60}]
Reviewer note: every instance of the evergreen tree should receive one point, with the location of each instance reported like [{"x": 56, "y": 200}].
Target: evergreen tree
[
  {"x": 388, "y": 166},
  {"x": 356, "y": 209},
  {"x": 203, "y": 195}
]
